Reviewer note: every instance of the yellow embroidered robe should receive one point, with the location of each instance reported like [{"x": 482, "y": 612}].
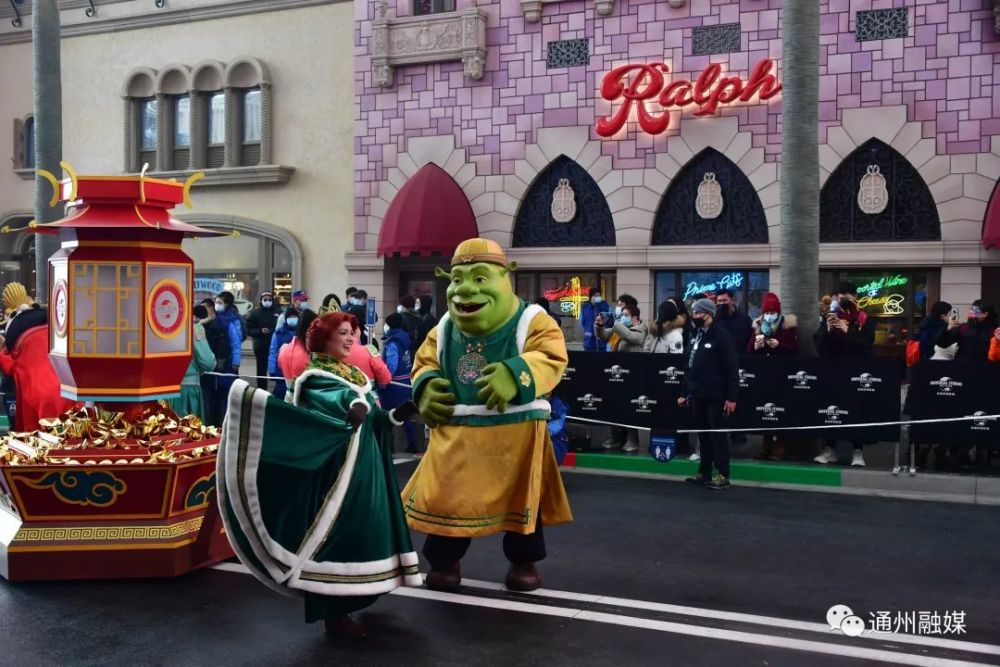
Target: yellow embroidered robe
[{"x": 486, "y": 472}]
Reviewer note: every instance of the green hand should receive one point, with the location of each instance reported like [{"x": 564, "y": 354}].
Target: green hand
[
  {"x": 437, "y": 403},
  {"x": 497, "y": 386}
]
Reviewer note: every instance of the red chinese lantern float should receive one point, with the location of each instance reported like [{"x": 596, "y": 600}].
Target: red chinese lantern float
[
  {"x": 121, "y": 289},
  {"x": 130, "y": 494}
]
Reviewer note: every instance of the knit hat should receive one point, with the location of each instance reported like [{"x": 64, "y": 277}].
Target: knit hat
[
  {"x": 407, "y": 301},
  {"x": 300, "y": 295},
  {"x": 771, "y": 303},
  {"x": 704, "y": 306}
]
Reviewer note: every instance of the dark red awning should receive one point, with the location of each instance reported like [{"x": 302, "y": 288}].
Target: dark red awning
[
  {"x": 991, "y": 224},
  {"x": 430, "y": 214}
]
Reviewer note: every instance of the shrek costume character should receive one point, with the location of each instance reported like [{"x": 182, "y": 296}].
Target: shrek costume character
[
  {"x": 480, "y": 381},
  {"x": 309, "y": 495}
]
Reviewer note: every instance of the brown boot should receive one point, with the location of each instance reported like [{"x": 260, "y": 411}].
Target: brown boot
[
  {"x": 345, "y": 627},
  {"x": 446, "y": 579},
  {"x": 523, "y": 577}
]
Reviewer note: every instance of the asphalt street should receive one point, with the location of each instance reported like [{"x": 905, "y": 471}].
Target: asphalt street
[{"x": 651, "y": 573}]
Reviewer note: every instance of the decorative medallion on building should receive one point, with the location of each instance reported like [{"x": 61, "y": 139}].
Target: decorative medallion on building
[
  {"x": 873, "y": 195},
  {"x": 709, "y": 202},
  {"x": 740, "y": 219},
  {"x": 909, "y": 214},
  {"x": 563, "y": 202},
  {"x": 568, "y": 53},
  {"x": 881, "y": 24},
  {"x": 709, "y": 39},
  {"x": 537, "y": 224}
]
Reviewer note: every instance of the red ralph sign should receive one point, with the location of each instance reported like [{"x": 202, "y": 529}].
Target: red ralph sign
[{"x": 638, "y": 83}]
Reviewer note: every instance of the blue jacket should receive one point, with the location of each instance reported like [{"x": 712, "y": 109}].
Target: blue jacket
[
  {"x": 229, "y": 319},
  {"x": 396, "y": 355},
  {"x": 283, "y": 334},
  {"x": 588, "y": 313}
]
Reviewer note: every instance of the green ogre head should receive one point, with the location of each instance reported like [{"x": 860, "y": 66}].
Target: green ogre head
[{"x": 481, "y": 298}]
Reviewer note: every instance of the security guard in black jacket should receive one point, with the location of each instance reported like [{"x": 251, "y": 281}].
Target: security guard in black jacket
[{"x": 712, "y": 383}]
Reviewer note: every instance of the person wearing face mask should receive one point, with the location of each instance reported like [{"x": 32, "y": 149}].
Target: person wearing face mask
[
  {"x": 774, "y": 334},
  {"x": 300, "y": 303},
  {"x": 293, "y": 356},
  {"x": 604, "y": 324},
  {"x": 357, "y": 305},
  {"x": 412, "y": 322},
  {"x": 846, "y": 332},
  {"x": 631, "y": 334},
  {"x": 974, "y": 338},
  {"x": 229, "y": 320},
  {"x": 732, "y": 319},
  {"x": 595, "y": 306},
  {"x": 711, "y": 386},
  {"x": 261, "y": 323},
  {"x": 283, "y": 334},
  {"x": 396, "y": 353}
]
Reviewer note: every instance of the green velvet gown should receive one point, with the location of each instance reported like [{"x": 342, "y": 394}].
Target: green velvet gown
[{"x": 310, "y": 507}]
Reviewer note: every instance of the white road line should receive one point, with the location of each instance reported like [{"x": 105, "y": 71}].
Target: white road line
[
  {"x": 689, "y": 629},
  {"x": 769, "y": 621}
]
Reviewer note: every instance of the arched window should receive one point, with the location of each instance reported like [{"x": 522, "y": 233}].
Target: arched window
[
  {"x": 910, "y": 213},
  {"x": 741, "y": 219},
  {"x": 249, "y": 83},
  {"x": 141, "y": 119},
  {"x": 591, "y": 225}
]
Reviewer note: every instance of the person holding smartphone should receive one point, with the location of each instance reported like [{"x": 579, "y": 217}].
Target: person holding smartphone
[{"x": 711, "y": 386}]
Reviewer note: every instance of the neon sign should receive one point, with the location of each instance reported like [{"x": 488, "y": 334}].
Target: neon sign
[
  {"x": 731, "y": 281},
  {"x": 570, "y": 298},
  {"x": 885, "y": 282},
  {"x": 892, "y": 304},
  {"x": 707, "y": 92}
]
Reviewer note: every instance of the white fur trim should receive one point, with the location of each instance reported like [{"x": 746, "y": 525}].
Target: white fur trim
[
  {"x": 393, "y": 420},
  {"x": 360, "y": 390},
  {"x": 265, "y": 549},
  {"x": 524, "y": 324},
  {"x": 462, "y": 410}
]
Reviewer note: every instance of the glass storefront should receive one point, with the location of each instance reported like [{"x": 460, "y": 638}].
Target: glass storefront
[
  {"x": 245, "y": 265},
  {"x": 897, "y": 300},
  {"x": 748, "y": 287},
  {"x": 566, "y": 292}
]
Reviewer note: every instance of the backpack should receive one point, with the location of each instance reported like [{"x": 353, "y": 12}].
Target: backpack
[
  {"x": 912, "y": 353},
  {"x": 243, "y": 328}
]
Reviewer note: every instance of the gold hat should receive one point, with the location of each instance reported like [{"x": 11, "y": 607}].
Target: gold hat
[
  {"x": 471, "y": 251},
  {"x": 14, "y": 296}
]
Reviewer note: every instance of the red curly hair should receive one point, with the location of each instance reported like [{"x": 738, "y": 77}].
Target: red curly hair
[{"x": 323, "y": 328}]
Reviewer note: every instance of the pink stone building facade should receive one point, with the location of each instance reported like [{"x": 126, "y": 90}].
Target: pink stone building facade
[{"x": 504, "y": 97}]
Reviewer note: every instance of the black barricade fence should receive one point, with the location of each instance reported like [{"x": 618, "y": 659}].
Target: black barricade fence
[
  {"x": 949, "y": 389},
  {"x": 642, "y": 390}
]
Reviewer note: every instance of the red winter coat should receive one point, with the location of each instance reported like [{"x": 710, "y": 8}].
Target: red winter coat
[
  {"x": 787, "y": 336},
  {"x": 37, "y": 385}
]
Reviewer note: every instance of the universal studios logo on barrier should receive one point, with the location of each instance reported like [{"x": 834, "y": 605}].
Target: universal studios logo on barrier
[
  {"x": 802, "y": 380},
  {"x": 983, "y": 424},
  {"x": 643, "y": 404},
  {"x": 770, "y": 412},
  {"x": 617, "y": 373},
  {"x": 745, "y": 378},
  {"x": 671, "y": 375},
  {"x": 568, "y": 373},
  {"x": 866, "y": 382},
  {"x": 590, "y": 402},
  {"x": 833, "y": 414},
  {"x": 946, "y": 386}
]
